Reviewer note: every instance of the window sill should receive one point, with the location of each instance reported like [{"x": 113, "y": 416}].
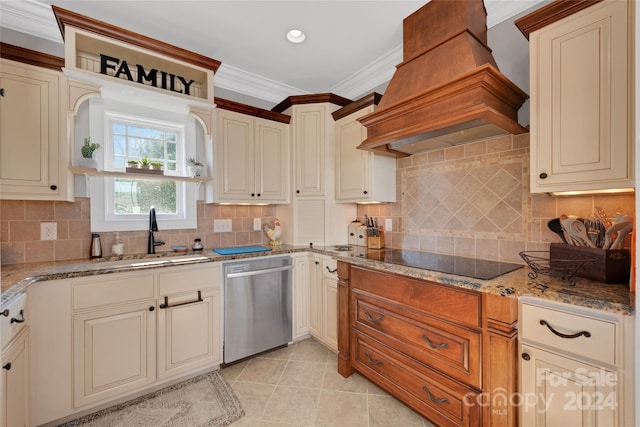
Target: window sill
[{"x": 77, "y": 170}]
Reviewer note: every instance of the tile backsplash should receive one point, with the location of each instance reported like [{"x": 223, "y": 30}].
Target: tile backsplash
[
  {"x": 474, "y": 200},
  {"x": 469, "y": 200},
  {"x": 20, "y": 230}
]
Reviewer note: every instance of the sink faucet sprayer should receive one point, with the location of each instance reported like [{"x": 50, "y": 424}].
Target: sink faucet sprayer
[{"x": 153, "y": 226}]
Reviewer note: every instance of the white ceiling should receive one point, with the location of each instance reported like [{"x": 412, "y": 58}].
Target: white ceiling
[{"x": 352, "y": 47}]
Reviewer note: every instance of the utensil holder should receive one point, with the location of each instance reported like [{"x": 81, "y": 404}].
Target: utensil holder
[{"x": 376, "y": 242}]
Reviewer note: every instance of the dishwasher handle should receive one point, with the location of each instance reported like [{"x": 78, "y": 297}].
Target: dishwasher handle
[{"x": 257, "y": 272}]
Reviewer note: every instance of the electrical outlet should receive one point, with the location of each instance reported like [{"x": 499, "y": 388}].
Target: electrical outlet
[
  {"x": 388, "y": 224},
  {"x": 222, "y": 225},
  {"x": 48, "y": 231},
  {"x": 257, "y": 224}
]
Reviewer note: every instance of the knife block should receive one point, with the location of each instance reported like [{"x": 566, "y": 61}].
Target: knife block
[{"x": 376, "y": 242}]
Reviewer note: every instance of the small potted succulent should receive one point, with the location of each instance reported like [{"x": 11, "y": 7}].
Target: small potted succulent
[
  {"x": 132, "y": 163},
  {"x": 156, "y": 165},
  {"x": 145, "y": 163},
  {"x": 87, "y": 150},
  {"x": 194, "y": 167}
]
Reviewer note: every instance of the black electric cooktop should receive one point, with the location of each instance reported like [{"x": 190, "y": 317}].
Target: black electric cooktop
[{"x": 462, "y": 266}]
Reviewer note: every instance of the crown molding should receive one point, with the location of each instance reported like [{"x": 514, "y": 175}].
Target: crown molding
[
  {"x": 241, "y": 81},
  {"x": 30, "y": 17}
]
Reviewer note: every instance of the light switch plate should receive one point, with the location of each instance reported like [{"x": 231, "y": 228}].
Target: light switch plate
[
  {"x": 257, "y": 224},
  {"x": 388, "y": 224},
  {"x": 48, "y": 231},
  {"x": 222, "y": 225}
]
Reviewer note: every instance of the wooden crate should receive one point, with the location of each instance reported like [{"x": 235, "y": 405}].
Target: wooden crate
[{"x": 610, "y": 266}]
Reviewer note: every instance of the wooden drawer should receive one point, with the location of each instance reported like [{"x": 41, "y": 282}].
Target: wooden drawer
[
  {"x": 330, "y": 268},
  {"x": 15, "y": 320},
  {"x": 188, "y": 278},
  {"x": 443, "y": 401},
  {"x": 536, "y": 324},
  {"x": 112, "y": 289},
  {"x": 458, "y": 305},
  {"x": 453, "y": 350}
]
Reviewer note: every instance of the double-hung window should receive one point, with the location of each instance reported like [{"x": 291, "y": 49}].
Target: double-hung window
[{"x": 123, "y": 202}]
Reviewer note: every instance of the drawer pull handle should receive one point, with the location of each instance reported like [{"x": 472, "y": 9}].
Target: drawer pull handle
[
  {"x": 561, "y": 335},
  {"x": 330, "y": 270},
  {"x": 433, "y": 399},
  {"x": 166, "y": 302},
  {"x": 433, "y": 346},
  {"x": 371, "y": 361},
  {"x": 20, "y": 320},
  {"x": 373, "y": 319},
  {"x": 7, "y": 366},
  {"x": 5, "y": 312}
]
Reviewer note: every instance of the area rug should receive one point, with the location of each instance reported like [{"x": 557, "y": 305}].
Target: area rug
[{"x": 203, "y": 401}]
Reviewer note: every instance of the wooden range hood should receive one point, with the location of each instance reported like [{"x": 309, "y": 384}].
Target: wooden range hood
[{"x": 448, "y": 89}]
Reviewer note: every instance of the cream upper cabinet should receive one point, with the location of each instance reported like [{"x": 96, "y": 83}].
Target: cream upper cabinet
[
  {"x": 576, "y": 366},
  {"x": 309, "y": 122},
  {"x": 361, "y": 176},
  {"x": 34, "y": 154},
  {"x": 581, "y": 94},
  {"x": 252, "y": 159}
]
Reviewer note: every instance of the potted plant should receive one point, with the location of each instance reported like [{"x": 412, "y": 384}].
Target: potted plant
[
  {"x": 87, "y": 151},
  {"x": 157, "y": 165},
  {"x": 145, "y": 163},
  {"x": 132, "y": 163},
  {"x": 194, "y": 167}
]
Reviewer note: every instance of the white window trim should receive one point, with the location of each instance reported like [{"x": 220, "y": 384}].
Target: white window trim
[{"x": 102, "y": 112}]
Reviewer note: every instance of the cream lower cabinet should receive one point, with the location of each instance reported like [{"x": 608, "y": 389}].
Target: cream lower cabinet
[
  {"x": 581, "y": 128},
  {"x": 189, "y": 321},
  {"x": 14, "y": 394},
  {"x": 323, "y": 301},
  {"x": 114, "y": 336},
  {"x": 575, "y": 369},
  {"x": 302, "y": 271},
  {"x": 102, "y": 339},
  {"x": 34, "y": 154},
  {"x": 252, "y": 159}
]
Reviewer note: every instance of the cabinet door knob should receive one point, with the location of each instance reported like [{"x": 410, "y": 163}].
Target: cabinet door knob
[
  {"x": 297, "y": 191},
  {"x": 253, "y": 194},
  {"x": 258, "y": 194},
  {"x": 152, "y": 308},
  {"x": 543, "y": 175},
  {"x": 7, "y": 366},
  {"x": 526, "y": 356},
  {"x": 53, "y": 187},
  {"x": 2, "y": 92},
  {"x": 5, "y": 312},
  {"x": 366, "y": 192}
]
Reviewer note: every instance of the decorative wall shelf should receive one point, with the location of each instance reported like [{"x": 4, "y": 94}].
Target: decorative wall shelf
[{"x": 87, "y": 172}]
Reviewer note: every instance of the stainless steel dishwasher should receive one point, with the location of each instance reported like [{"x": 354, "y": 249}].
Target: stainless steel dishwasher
[{"x": 257, "y": 306}]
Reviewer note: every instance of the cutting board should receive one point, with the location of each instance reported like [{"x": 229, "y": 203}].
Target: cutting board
[{"x": 234, "y": 250}]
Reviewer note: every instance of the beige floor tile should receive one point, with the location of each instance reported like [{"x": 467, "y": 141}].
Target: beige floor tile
[
  {"x": 292, "y": 405},
  {"x": 386, "y": 411},
  {"x": 231, "y": 373},
  {"x": 253, "y": 397},
  {"x": 355, "y": 383},
  {"x": 246, "y": 422},
  {"x": 374, "y": 389},
  {"x": 303, "y": 374},
  {"x": 342, "y": 409},
  {"x": 311, "y": 351},
  {"x": 266, "y": 371},
  {"x": 281, "y": 353}
]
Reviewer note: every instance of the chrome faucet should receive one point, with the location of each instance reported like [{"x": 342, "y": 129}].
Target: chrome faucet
[{"x": 153, "y": 226}]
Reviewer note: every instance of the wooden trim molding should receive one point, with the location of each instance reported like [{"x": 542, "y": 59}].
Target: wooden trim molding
[
  {"x": 372, "y": 99},
  {"x": 238, "y": 107},
  {"x": 66, "y": 17},
  {"x": 551, "y": 13},
  {"x": 31, "y": 57},
  {"x": 311, "y": 99}
]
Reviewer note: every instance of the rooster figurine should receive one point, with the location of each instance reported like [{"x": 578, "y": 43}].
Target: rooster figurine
[{"x": 274, "y": 233}]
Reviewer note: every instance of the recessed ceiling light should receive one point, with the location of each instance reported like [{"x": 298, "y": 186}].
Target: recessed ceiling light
[{"x": 296, "y": 36}]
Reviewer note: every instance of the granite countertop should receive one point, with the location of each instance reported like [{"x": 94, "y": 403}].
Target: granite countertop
[{"x": 586, "y": 293}]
